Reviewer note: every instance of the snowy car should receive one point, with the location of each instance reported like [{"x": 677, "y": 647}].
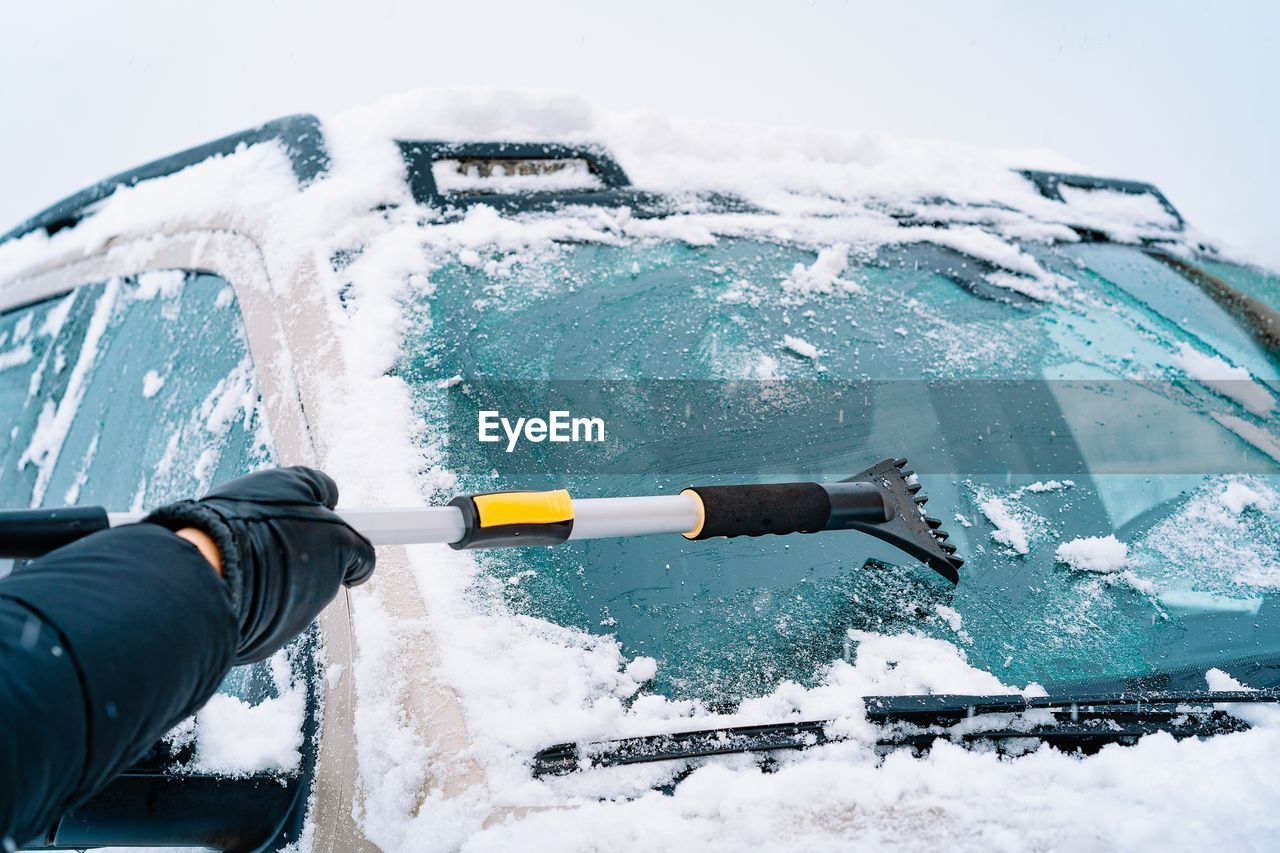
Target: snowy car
[{"x": 1083, "y": 384}]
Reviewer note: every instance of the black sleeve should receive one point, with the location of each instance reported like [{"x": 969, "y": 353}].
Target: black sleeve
[{"x": 105, "y": 645}]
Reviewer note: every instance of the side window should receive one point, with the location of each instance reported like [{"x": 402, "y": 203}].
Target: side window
[
  {"x": 129, "y": 393},
  {"x": 1263, "y": 285}
]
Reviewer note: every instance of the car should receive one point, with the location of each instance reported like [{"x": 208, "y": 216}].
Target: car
[{"x": 1083, "y": 384}]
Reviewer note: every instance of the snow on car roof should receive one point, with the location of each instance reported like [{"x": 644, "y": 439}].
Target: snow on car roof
[{"x": 862, "y": 187}]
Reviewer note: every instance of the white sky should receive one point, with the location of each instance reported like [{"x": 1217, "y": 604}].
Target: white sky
[{"x": 1178, "y": 93}]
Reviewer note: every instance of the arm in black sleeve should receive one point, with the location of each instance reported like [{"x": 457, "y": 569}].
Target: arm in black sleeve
[
  {"x": 105, "y": 645},
  {"x": 109, "y": 642}
]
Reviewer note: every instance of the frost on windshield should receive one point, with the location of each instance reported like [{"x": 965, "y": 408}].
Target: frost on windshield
[
  {"x": 1113, "y": 388},
  {"x": 1220, "y": 542}
]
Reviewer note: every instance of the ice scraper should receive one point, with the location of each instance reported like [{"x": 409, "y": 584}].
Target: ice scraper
[{"x": 883, "y": 501}]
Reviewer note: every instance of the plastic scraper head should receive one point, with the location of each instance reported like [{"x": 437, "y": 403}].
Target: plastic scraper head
[{"x": 908, "y": 528}]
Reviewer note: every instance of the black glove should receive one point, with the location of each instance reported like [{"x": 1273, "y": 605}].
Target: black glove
[{"x": 284, "y": 552}]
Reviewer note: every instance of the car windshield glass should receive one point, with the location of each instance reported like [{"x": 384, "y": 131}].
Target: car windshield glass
[
  {"x": 127, "y": 394},
  {"x": 1036, "y": 425}
]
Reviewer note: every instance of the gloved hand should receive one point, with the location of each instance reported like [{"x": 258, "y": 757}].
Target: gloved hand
[{"x": 284, "y": 552}]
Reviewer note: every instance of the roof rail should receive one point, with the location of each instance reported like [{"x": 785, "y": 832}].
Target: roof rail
[
  {"x": 299, "y": 135},
  {"x": 1049, "y": 184}
]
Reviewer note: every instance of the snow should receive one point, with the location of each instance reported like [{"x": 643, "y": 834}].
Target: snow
[
  {"x": 823, "y": 275},
  {"x": 57, "y": 316},
  {"x": 1191, "y": 601},
  {"x": 642, "y": 669},
  {"x": 1251, "y": 433},
  {"x": 1263, "y": 715},
  {"x": 1226, "y": 379},
  {"x": 234, "y": 738},
  {"x": 1009, "y": 530},
  {"x": 1025, "y": 285},
  {"x": 523, "y": 683},
  {"x": 17, "y": 356},
  {"x": 54, "y": 422},
  {"x": 954, "y": 621},
  {"x": 82, "y": 475},
  {"x": 1123, "y": 216},
  {"x": 163, "y": 283},
  {"x": 565, "y": 174},
  {"x": 826, "y": 188},
  {"x": 1193, "y": 795},
  {"x": 1049, "y": 486},
  {"x": 1094, "y": 553},
  {"x": 152, "y": 382},
  {"x": 233, "y": 398},
  {"x": 800, "y": 347},
  {"x": 1239, "y": 496},
  {"x": 23, "y": 327},
  {"x": 1222, "y": 540}
]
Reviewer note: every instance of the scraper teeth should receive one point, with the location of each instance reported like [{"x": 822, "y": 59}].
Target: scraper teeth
[{"x": 904, "y": 528}]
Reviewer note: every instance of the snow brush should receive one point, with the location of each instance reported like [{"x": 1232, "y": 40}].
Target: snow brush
[{"x": 883, "y": 501}]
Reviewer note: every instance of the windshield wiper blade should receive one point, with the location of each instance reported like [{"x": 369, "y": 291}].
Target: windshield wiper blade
[
  {"x": 567, "y": 757},
  {"x": 948, "y": 709},
  {"x": 1083, "y": 721}
]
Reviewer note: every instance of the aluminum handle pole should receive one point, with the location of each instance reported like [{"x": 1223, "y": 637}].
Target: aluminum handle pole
[{"x": 593, "y": 518}]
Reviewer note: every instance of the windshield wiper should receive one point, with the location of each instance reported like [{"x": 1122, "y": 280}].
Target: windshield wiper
[{"x": 1083, "y": 722}]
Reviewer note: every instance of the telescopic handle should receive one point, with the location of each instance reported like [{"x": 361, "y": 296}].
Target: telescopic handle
[
  {"x": 511, "y": 519},
  {"x": 28, "y": 533},
  {"x": 883, "y": 501}
]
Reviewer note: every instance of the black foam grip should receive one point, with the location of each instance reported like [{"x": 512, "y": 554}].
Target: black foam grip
[{"x": 761, "y": 509}]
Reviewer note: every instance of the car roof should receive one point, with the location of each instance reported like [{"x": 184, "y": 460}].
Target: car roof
[{"x": 302, "y": 139}]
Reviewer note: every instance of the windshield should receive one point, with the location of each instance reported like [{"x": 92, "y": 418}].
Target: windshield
[{"x": 1120, "y": 402}]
